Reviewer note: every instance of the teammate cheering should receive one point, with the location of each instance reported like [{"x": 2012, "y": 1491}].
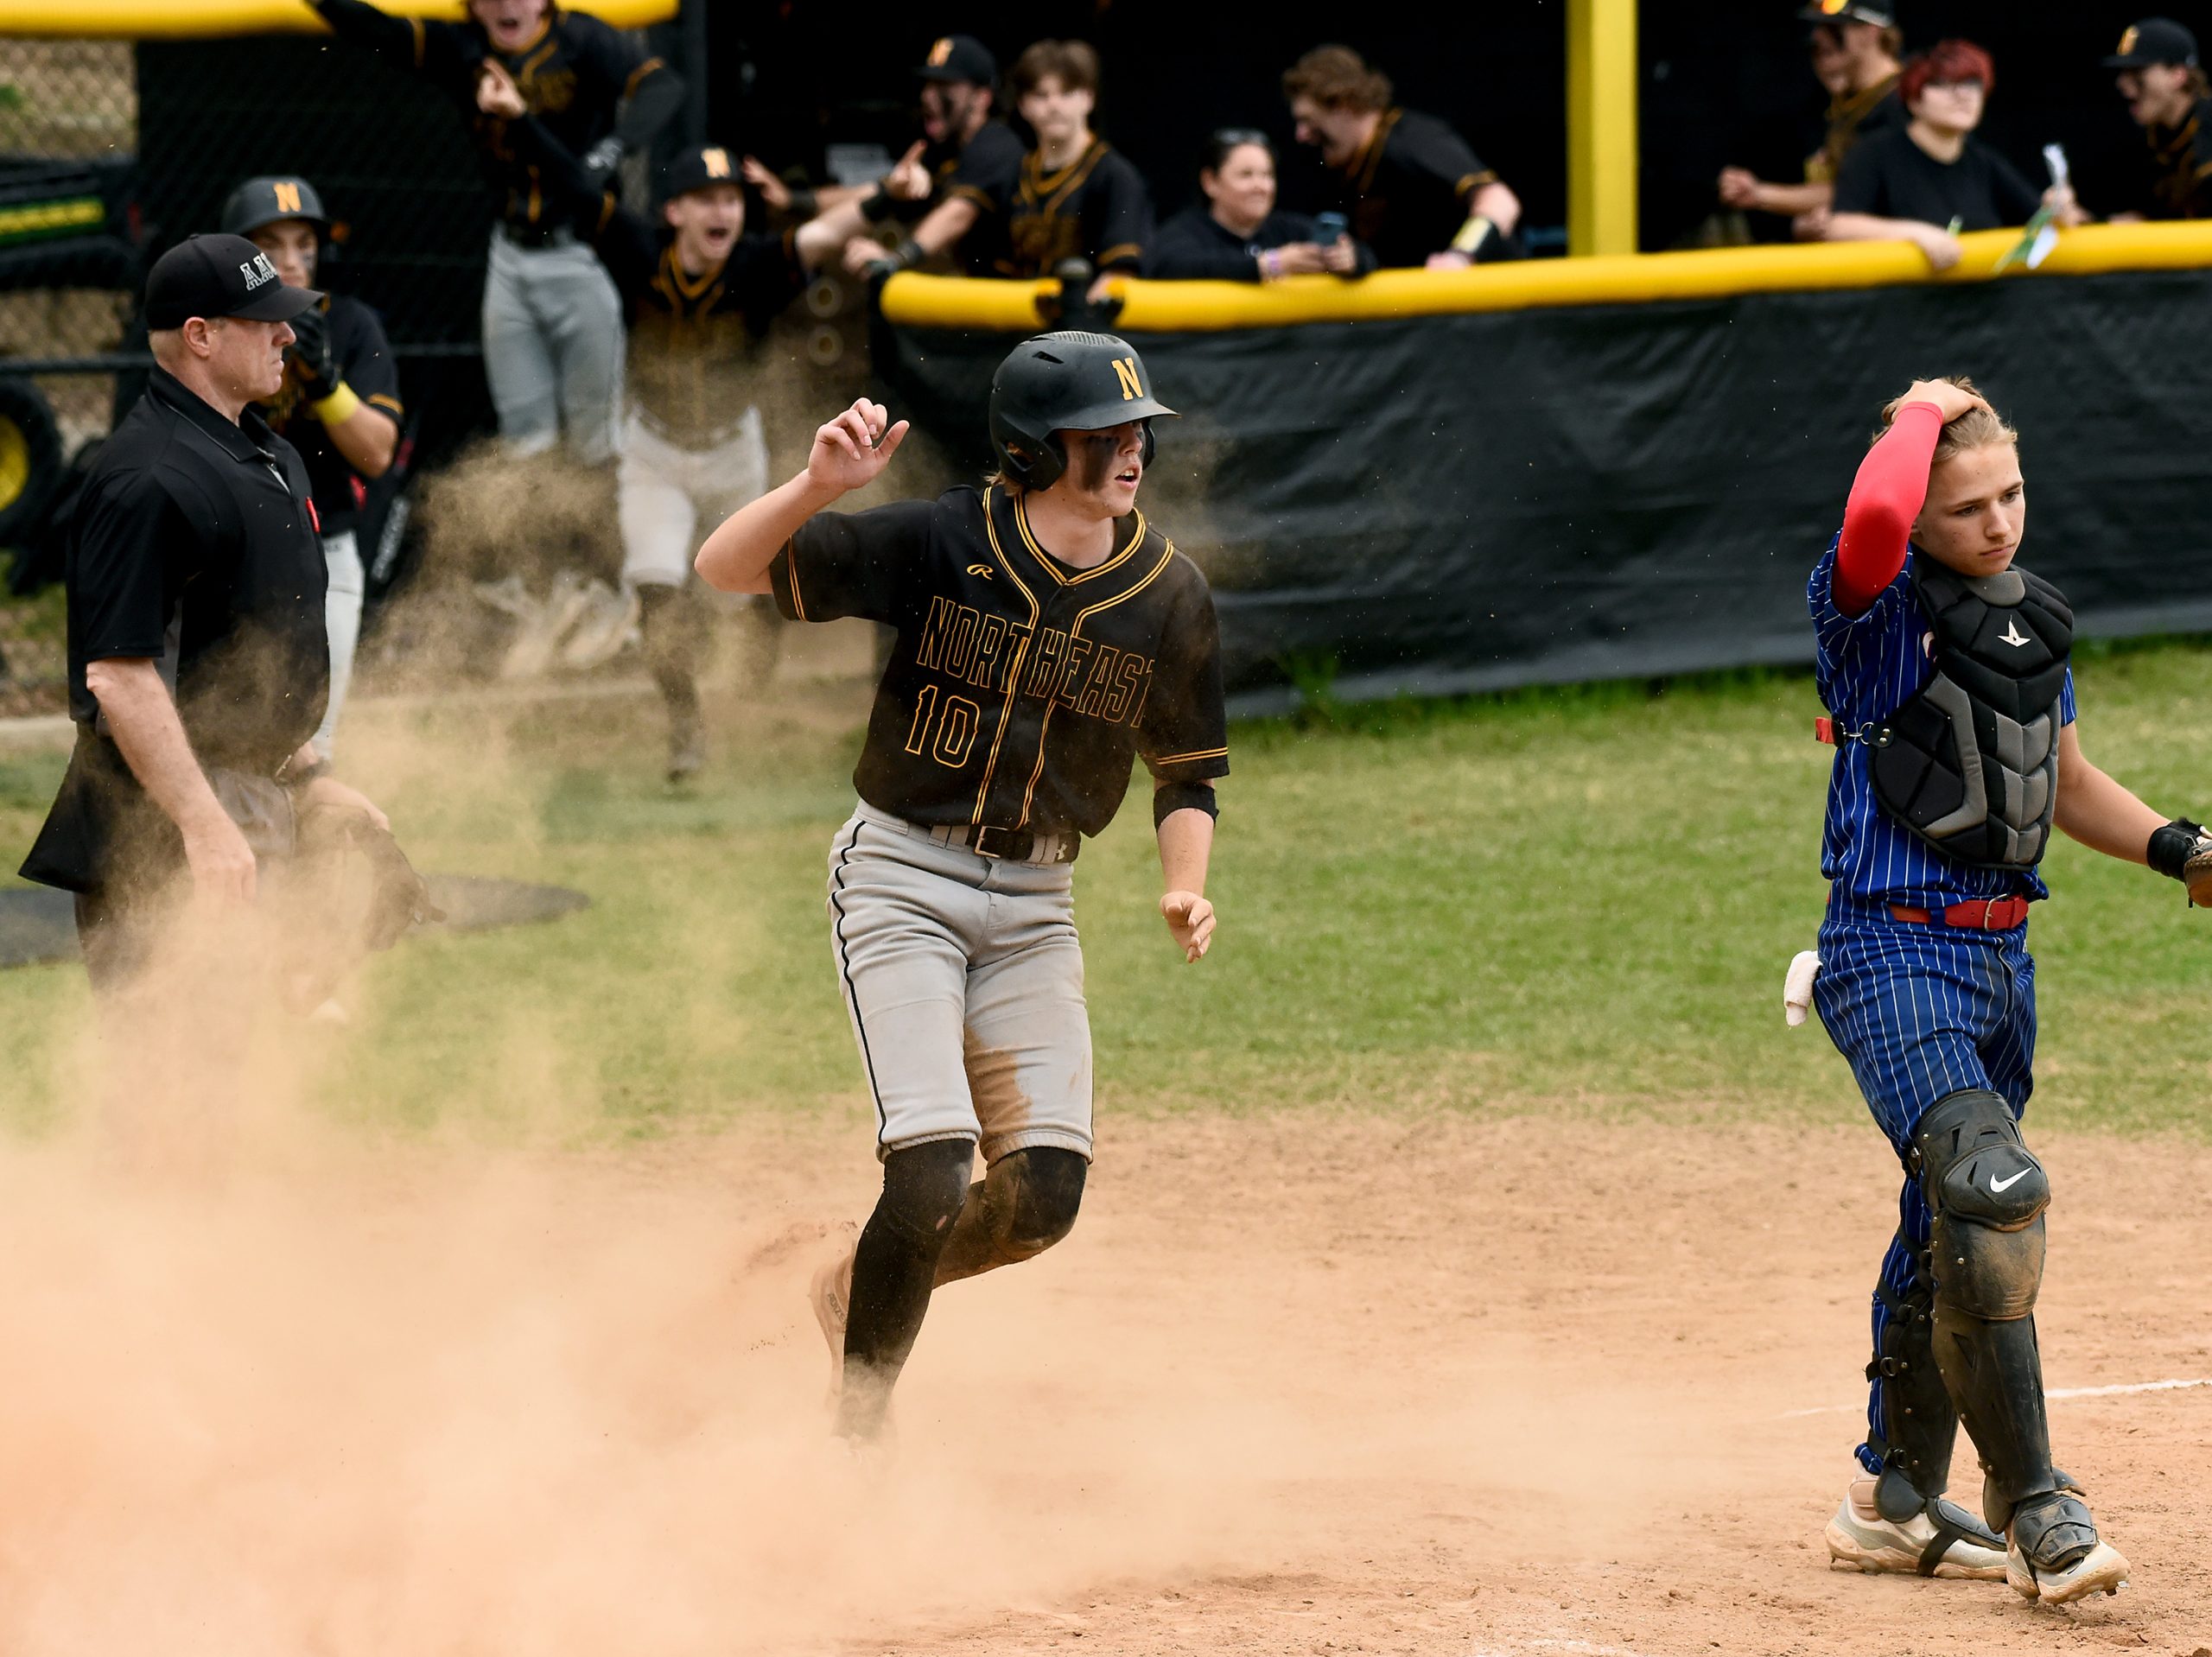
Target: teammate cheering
[
  {"x": 339, "y": 405},
  {"x": 1945, "y": 668},
  {"x": 1046, "y": 633},
  {"x": 700, "y": 295},
  {"x": 972, "y": 165},
  {"x": 551, "y": 324}
]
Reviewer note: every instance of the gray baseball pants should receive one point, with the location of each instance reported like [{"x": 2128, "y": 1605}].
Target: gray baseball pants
[
  {"x": 553, "y": 345},
  {"x": 964, "y": 977}
]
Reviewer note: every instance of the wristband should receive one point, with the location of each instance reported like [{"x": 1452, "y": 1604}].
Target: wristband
[
  {"x": 805, "y": 203},
  {"x": 880, "y": 205},
  {"x": 1270, "y": 266},
  {"x": 1171, "y": 797},
  {"x": 340, "y": 406},
  {"x": 907, "y": 253},
  {"x": 2171, "y": 845},
  {"x": 1472, "y": 235}
]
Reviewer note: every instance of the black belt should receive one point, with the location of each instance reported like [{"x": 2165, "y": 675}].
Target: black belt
[{"x": 1021, "y": 845}]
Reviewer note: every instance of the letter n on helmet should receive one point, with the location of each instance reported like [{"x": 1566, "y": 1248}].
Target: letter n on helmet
[{"x": 1065, "y": 382}]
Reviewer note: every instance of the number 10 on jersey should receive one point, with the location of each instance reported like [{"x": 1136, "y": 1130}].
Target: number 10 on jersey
[{"x": 946, "y": 738}]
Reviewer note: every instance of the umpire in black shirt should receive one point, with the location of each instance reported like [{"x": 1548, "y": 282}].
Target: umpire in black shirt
[{"x": 198, "y": 657}]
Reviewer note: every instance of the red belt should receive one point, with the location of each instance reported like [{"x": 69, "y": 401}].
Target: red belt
[{"x": 1976, "y": 914}]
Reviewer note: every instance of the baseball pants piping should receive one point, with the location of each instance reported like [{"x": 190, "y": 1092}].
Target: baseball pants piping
[{"x": 962, "y": 975}]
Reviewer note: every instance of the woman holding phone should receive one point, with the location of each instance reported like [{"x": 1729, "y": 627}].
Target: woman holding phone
[{"x": 1234, "y": 234}]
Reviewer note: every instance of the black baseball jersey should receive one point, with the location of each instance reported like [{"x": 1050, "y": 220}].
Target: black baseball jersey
[
  {"x": 696, "y": 360},
  {"x": 1097, "y": 207},
  {"x": 191, "y": 544},
  {"x": 1019, "y": 688},
  {"x": 1411, "y": 189},
  {"x": 365, "y": 363},
  {"x": 2180, "y": 182},
  {"x": 1892, "y": 177},
  {"x": 574, "y": 77},
  {"x": 1853, "y": 119},
  {"x": 985, "y": 171}
]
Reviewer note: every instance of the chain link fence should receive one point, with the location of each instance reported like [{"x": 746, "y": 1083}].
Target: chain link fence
[{"x": 111, "y": 151}]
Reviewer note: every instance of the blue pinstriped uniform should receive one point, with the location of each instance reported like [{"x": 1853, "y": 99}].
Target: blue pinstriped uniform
[{"x": 1919, "y": 1011}]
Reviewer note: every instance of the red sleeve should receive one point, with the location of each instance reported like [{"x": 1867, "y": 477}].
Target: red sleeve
[{"x": 1885, "y": 498}]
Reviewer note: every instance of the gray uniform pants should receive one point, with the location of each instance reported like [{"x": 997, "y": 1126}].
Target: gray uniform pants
[
  {"x": 964, "y": 977},
  {"x": 553, "y": 345}
]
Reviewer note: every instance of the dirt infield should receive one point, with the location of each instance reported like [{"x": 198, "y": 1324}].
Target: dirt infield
[{"x": 1297, "y": 1384}]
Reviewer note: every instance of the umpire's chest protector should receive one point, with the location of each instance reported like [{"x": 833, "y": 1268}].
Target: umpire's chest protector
[{"x": 1970, "y": 764}]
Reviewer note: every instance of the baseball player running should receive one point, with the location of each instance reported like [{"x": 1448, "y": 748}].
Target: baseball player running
[
  {"x": 1046, "y": 634},
  {"x": 339, "y": 405},
  {"x": 700, "y": 294},
  {"x": 1945, "y": 668}
]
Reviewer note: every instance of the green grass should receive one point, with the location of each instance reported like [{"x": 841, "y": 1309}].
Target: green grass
[{"x": 1568, "y": 902}]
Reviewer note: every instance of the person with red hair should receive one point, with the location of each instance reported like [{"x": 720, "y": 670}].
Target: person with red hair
[{"x": 1926, "y": 182}]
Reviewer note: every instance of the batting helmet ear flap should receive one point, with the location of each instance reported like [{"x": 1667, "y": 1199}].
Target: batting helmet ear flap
[
  {"x": 1033, "y": 465},
  {"x": 1151, "y": 443}
]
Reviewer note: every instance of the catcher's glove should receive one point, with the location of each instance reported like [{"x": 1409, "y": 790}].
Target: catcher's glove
[{"x": 2182, "y": 851}]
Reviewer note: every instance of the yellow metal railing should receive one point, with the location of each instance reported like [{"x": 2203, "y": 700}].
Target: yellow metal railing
[
  {"x": 197, "y": 19},
  {"x": 915, "y": 301}
]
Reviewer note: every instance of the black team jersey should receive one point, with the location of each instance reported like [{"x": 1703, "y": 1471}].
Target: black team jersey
[
  {"x": 574, "y": 77},
  {"x": 364, "y": 363},
  {"x": 1019, "y": 688},
  {"x": 2181, "y": 167},
  {"x": 1411, "y": 189},
  {"x": 986, "y": 171},
  {"x": 1853, "y": 117},
  {"x": 695, "y": 358},
  {"x": 1097, "y": 207}
]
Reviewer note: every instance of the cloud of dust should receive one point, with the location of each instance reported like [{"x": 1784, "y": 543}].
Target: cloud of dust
[
  {"x": 284, "y": 1390},
  {"x": 272, "y": 1386}
]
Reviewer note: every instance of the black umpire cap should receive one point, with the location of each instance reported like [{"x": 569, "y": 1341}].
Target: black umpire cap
[
  {"x": 219, "y": 276},
  {"x": 1880, "y": 13},
  {"x": 2155, "y": 39},
  {"x": 270, "y": 201},
  {"x": 960, "y": 57},
  {"x": 699, "y": 167}
]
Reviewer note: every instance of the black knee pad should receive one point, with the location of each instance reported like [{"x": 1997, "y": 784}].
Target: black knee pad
[
  {"x": 1042, "y": 1189},
  {"x": 1986, "y": 1194},
  {"x": 924, "y": 1187}
]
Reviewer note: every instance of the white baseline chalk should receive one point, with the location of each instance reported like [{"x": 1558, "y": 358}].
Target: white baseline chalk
[{"x": 2056, "y": 1392}]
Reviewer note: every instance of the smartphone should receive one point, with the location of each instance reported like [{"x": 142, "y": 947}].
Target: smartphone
[{"x": 1328, "y": 228}]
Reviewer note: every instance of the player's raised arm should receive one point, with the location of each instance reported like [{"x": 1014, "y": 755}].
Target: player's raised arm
[{"x": 849, "y": 453}]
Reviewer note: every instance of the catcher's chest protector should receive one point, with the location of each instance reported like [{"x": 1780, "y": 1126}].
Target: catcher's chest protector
[{"x": 1971, "y": 764}]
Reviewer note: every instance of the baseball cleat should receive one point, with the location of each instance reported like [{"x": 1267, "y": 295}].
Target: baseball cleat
[
  {"x": 831, "y": 1292},
  {"x": 1943, "y": 1540},
  {"x": 2054, "y": 1554}
]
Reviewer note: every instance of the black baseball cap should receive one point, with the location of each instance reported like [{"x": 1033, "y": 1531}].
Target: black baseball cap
[
  {"x": 699, "y": 167},
  {"x": 960, "y": 57},
  {"x": 1880, "y": 13},
  {"x": 219, "y": 276},
  {"x": 2155, "y": 39}
]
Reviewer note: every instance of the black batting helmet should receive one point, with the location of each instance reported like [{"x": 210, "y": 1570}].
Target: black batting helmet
[
  {"x": 1064, "y": 382},
  {"x": 261, "y": 201}
]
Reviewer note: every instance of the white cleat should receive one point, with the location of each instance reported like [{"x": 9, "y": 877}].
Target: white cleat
[
  {"x": 1860, "y": 1539},
  {"x": 2102, "y": 1569}
]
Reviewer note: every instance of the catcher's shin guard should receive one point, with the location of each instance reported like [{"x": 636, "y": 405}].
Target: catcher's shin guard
[
  {"x": 1920, "y": 1424},
  {"x": 1986, "y": 1195}
]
